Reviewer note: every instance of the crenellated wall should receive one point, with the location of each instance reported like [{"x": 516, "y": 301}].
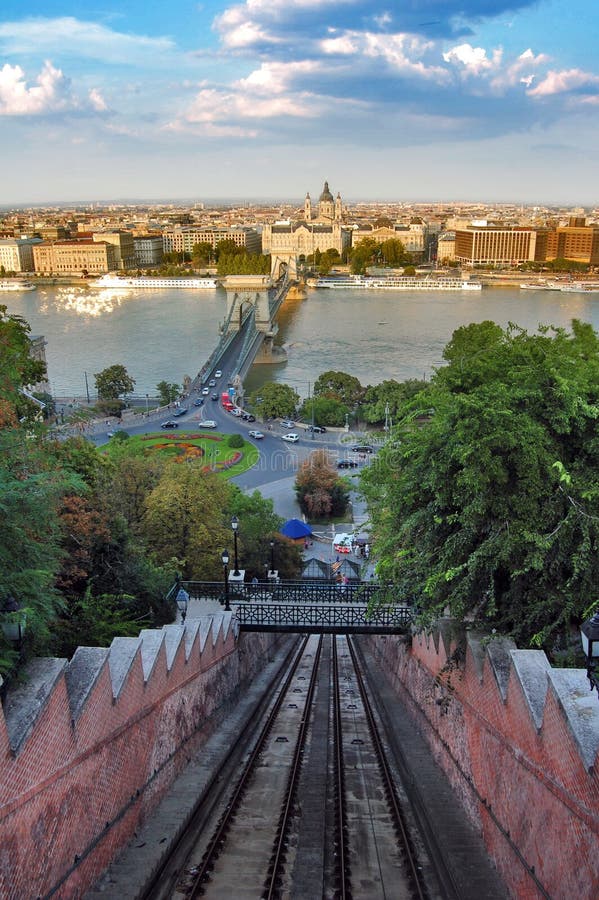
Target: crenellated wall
[
  {"x": 519, "y": 743},
  {"x": 88, "y": 747}
]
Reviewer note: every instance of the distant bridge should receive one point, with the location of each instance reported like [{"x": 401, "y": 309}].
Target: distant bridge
[
  {"x": 307, "y": 607},
  {"x": 249, "y": 327}
]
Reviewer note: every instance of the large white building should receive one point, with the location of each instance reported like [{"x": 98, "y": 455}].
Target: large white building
[
  {"x": 16, "y": 254},
  {"x": 321, "y": 229}
]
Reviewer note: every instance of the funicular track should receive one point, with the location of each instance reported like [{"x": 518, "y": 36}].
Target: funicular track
[{"x": 254, "y": 845}]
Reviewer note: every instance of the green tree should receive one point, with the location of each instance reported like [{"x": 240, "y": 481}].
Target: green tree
[
  {"x": 113, "y": 382},
  {"x": 32, "y": 487},
  {"x": 17, "y": 369},
  {"x": 363, "y": 255},
  {"x": 184, "y": 520},
  {"x": 393, "y": 252},
  {"x": 201, "y": 253},
  {"x": 319, "y": 490},
  {"x": 327, "y": 411},
  {"x": 388, "y": 397},
  {"x": 258, "y": 525},
  {"x": 277, "y": 400},
  {"x": 168, "y": 391},
  {"x": 492, "y": 508},
  {"x": 339, "y": 386}
]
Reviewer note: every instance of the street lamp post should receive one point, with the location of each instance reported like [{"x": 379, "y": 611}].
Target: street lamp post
[
  {"x": 235, "y": 527},
  {"x": 225, "y": 559},
  {"x": 589, "y": 634},
  {"x": 182, "y": 601}
]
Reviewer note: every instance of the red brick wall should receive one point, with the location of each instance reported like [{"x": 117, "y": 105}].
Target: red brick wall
[
  {"x": 76, "y": 790},
  {"x": 528, "y": 789}
]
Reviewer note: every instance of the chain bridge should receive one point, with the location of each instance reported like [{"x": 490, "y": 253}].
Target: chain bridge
[
  {"x": 307, "y": 607},
  {"x": 249, "y": 328}
]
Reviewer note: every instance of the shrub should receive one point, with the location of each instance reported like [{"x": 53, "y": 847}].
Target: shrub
[{"x": 235, "y": 440}]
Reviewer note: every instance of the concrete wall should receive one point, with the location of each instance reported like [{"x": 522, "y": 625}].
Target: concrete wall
[
  {"x": 89, "y": 747},
  {"x": 519, "y": 742}
]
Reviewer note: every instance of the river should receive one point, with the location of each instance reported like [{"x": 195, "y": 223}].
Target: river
[{"x": 373, "y": 335}]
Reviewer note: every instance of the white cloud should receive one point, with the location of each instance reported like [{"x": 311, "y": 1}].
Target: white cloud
[
  {"x": 274, "y": 78},
  {"x": 565, "y": 81},
  {"x": 473, "y": 60},
  {"x": 519, "y": 72},
  {"x": 67, "y": 35},
  {"x": 97, "y": 100},
  {"x": 51, "y": 93}
]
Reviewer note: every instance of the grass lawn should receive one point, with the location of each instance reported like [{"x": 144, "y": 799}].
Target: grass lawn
[{"x": 212, "y": 449}]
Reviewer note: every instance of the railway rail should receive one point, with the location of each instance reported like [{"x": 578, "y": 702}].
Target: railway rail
[{"x": 314, "y": 810}]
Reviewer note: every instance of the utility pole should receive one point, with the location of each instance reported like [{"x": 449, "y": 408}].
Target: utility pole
[{"x": 86, "y": 387}]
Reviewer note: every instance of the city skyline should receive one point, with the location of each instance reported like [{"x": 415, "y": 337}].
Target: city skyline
[{"x": 470, "y": 100}]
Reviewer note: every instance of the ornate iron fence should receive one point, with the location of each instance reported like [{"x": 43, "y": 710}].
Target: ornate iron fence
[{"x": 304, "y": 606}]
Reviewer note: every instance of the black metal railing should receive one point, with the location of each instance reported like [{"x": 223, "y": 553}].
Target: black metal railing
[
  {"x": 364, "y": 592},
  {"x": 308, "y": 606}
]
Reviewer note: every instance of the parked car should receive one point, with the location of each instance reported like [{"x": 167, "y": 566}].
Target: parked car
[
  {"x": 362, "y": 448},
  {"x": 257, "y": 435},
  {"x": 205, "y": 391},
  {"x": 199, "y": 401},
  {"x": 236, "y": 412},
  {"x": 347, "y": 464},
  {"x": 248, "y": 417},
  {"x": 287, "y": 423},
  {"x": 169, "y": 424},
  {"x": 207, "y": 423},
  {"x": 292, "y": 437},
  {"x": 317, "y": 429}
]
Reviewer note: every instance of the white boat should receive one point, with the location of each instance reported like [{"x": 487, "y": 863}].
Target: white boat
[
  {"x": 149, "y": 281},
  {"x": 541, "y": 286},
  {"x": 16, "y": 284},
  {"x": 398, "y": 283},
  {"x": 577, "y": 288}
]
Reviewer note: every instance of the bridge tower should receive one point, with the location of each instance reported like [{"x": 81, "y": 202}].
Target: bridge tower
[
  {"x": 244, "y": 291},
  {"x": 282, "y": 261}
]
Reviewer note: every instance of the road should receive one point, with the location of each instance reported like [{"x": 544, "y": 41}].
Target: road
[{"x": 278, "y": 461}]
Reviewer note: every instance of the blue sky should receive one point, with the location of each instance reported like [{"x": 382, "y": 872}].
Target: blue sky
[{"x": 493, "y": 100}]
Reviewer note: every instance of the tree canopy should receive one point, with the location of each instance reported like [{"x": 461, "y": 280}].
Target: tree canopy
[
  {"x": 491, "y": 507},
  {"x": 275, "y": 399},
  {"x": 319, "y": 490},
  {"x": 339, "y": 386},
  {"x": 113, "y": 382}
]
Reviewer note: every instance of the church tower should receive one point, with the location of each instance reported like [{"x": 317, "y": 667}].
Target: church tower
[
  {"x": 338, "y": 208},
  {"x": 326, "y": 205},
  {"x": 308, "y": 208}
]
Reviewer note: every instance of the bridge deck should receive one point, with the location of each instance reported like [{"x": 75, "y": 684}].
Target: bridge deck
[{"x": 308, "y": 607}]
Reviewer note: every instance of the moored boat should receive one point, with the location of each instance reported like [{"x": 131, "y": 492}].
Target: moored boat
[
  {"x": 397, "y": 283},
  {"x": 16, "y": 284},
  {"x": 148, "y": 281}
]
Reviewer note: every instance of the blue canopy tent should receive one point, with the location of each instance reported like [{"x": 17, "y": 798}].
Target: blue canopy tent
[{"x": 296, "y": 530}]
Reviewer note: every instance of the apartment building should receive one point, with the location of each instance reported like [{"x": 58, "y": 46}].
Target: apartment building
[
  {"x": 148, "y": 249},
  {"x": 490, "y": 245},
  {"x": 16, "y": 254},
  {"x": 123, "y": 244},
  {"x": 576, "y": 241},
  {"x": 75, "y": 257},
  {"x": 182, "y": 239}
]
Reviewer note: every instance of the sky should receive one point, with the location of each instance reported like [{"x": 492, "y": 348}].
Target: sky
[{"x": 474, "y": 100}]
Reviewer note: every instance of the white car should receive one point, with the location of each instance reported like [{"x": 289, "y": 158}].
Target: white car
[
  {"x": 205, "y": 391},
  {"x": 236, "y": 411},
  {"x": 207, "y": 423},
  {"x": 287, "y": 423},
  {"x": 257, "y": 435},
  {"x": 218, "y": 374},
  {"x": 291, "y": 437}
]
